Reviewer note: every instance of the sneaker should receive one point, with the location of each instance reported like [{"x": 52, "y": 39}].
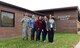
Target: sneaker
[{"x": 44, "y": 41}]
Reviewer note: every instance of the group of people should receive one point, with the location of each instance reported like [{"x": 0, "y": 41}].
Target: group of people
[{"x": 44, "y": 25}]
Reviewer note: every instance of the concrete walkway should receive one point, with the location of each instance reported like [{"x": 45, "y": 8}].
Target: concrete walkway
[
  {"x": 78, "y": 45},
  {"x": 78, "y": 32}
]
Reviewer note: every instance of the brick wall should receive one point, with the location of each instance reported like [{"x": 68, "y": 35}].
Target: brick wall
[
  {"x": 12, "y": 31},
  {"x": 70, "y": 25}
]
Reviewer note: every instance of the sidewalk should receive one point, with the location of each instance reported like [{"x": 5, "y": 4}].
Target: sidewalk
[{"x": 78, "y": 45}]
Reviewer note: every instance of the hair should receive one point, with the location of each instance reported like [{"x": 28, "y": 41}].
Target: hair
[
  {"x": 33, "y": 15},
  {"x": 46, "y": 17},
  {"x": 53, "y": 18},
  {"x": 25, "y": 15},
  {"x": 38, "y": 17}
]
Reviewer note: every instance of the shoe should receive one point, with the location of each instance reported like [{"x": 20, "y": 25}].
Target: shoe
[
  {"x": 26, "y": 38},
  {"x": 44, "y": 41},
  {"x": 23, "y": 39}
]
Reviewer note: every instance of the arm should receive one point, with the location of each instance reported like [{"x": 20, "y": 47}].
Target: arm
[
  {"x": 30, "y": 23},
  {"x": 36, "y": 24},
  {"x": 22, "y": 20},
  {"x": 54, "y": 25},
  {"x": 47, "y": 26}
]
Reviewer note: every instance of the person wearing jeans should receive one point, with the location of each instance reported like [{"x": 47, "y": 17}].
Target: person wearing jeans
[
  {"x": 44, "y": 32},
  {"x": 33, "y": 33},
  {"x": 38, "y": 26},
  {"x": 32, "y": 26}
]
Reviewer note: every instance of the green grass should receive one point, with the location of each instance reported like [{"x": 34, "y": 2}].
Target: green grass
[{"x": 62, "y": 40}]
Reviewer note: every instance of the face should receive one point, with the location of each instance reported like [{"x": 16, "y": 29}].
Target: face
[
  {"x": 36, "y": 18},
  {"x": 50, "y": 16},
  {"x": 26, "y": 17},
  {"x": 45, "y": 17},
  {"x": 33, "y": 16},
  {"x": 40, "y": 17}
]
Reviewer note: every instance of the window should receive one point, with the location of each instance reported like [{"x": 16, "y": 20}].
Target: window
[
  {"x": 7, "y": 19},
  {"x": 78, "y": 16}
]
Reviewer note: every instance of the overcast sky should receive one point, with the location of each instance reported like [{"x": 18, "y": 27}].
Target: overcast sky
[{"x": 43, "y": 4}]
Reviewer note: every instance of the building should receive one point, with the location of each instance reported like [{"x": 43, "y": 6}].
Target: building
[
  {"x": 10, "y": 16},
  {"x": 67, "y": 18}
]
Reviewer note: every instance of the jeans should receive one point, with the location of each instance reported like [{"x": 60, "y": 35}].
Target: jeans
[
  {"x": 44, "y": 33},
  {"x": 38, "y": 33},
  {"x": 33, "y": 33}
]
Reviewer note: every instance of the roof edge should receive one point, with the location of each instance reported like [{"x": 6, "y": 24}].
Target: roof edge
[
  {"x": 63, "y": 8},
  {"x": 19, "y": 8}
]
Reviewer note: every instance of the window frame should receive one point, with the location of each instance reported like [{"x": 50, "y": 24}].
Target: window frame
[{"x": 1, "y": 20}]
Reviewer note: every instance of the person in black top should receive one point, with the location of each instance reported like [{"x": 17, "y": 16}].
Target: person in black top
[{"x": 44, "y": 32}]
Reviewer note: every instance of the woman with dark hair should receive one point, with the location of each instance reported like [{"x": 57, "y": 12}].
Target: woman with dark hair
[
  {"x": 52, "y": 28},
  {"x": 38, "y": 26},
  {"x": 44, "y": 32}
]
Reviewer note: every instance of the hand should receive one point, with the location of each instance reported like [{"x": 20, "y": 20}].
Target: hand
[
  {"x": 47, "y": 30},
  {"x": 38, "y": 28},
  {"x": 42, "y": 30},
  {"x": 54, "y": 29}
]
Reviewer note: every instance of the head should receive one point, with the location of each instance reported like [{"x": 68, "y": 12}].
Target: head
[
  {"x": 45, "y": 17},
  {"x": 40, "y": 17},
  {"x": 33, "y": 16},
  {"x": 36, "y": 18},
  {"x": 50, "y": 16},
  {"x": 53, "y": 17},
  {"x": 26, "y": 16}
]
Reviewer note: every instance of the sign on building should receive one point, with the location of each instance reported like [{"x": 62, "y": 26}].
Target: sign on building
[{"x": 66, "y": 17}]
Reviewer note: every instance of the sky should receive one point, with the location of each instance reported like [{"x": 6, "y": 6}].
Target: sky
[{"x": 43, "y": 4}]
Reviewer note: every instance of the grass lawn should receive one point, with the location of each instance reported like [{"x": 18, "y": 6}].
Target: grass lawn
[{"x": 62, "y": 40}]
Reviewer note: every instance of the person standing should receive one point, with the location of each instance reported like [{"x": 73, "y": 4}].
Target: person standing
[
  {"x": 38, "y": 28},
  {"x": 32, "y": 26},
  {"x": 25, "y": 25},
  {"x": 44, "y": 31},
  {"x": 52, "y": 28}
]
